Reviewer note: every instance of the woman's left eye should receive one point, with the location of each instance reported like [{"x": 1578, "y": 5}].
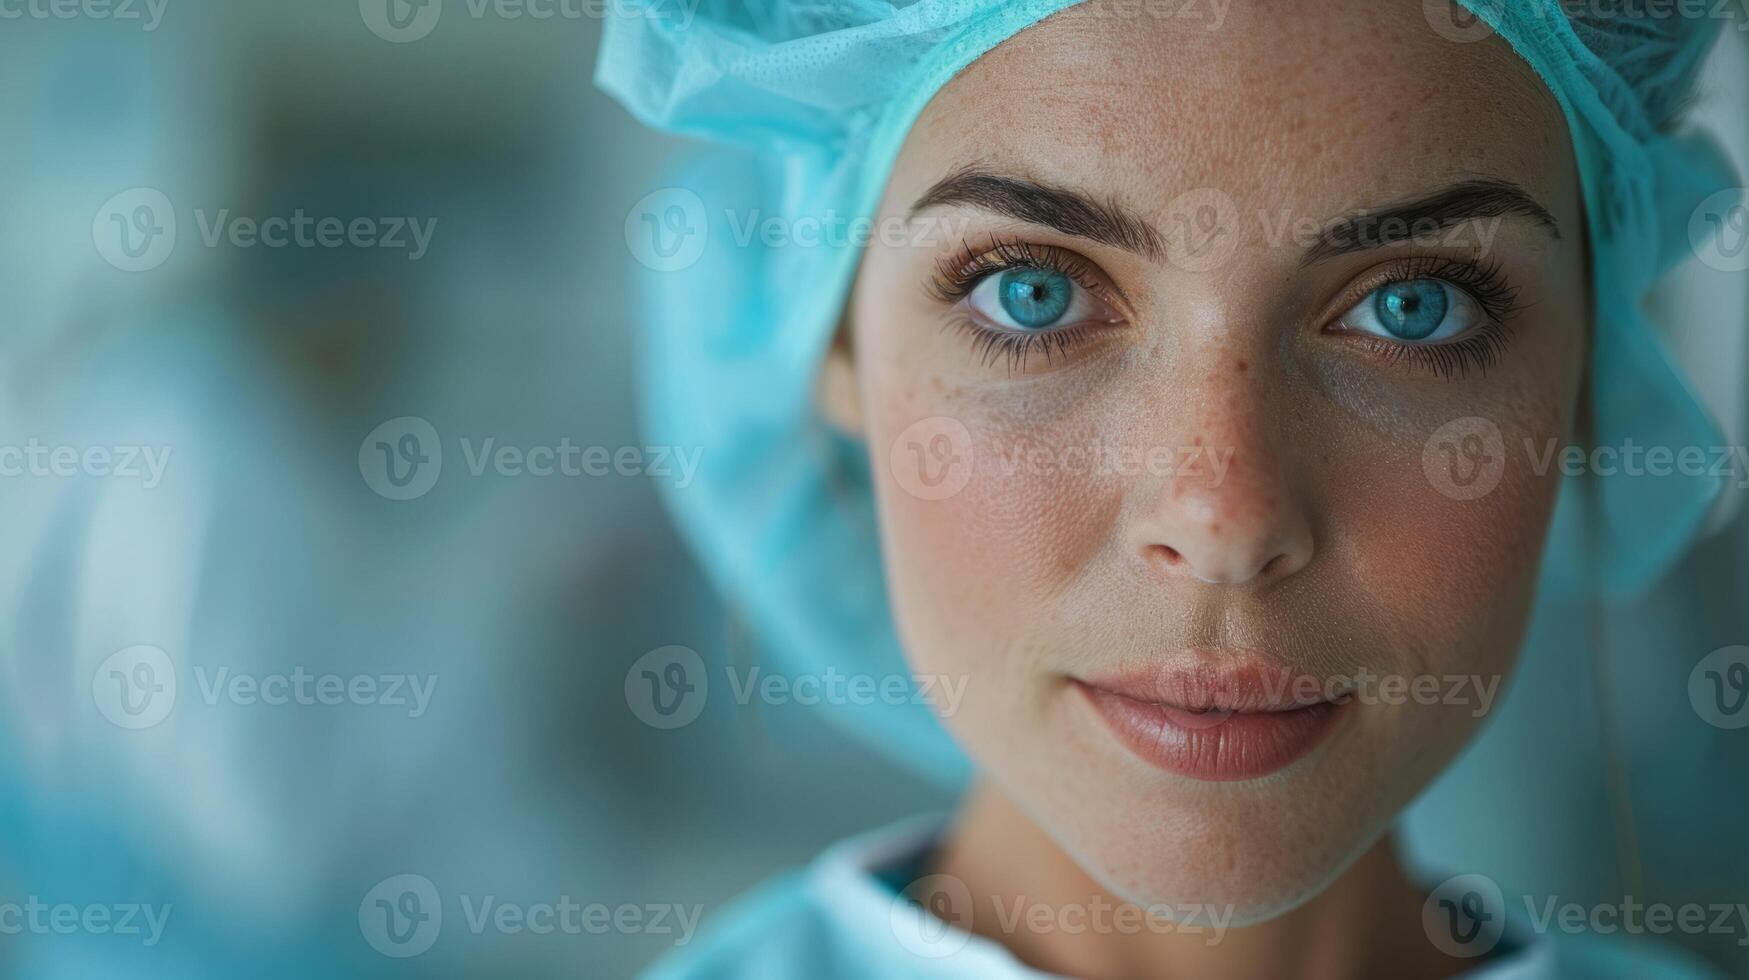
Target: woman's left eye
[
  {"x": 1415, "y": 311},
  {"x": 1028, "y": 299}
]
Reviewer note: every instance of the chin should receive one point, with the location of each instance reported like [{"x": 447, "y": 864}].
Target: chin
[
  {"x": 1243, "y": 850},
  {"x": 1189, "y": 865}
]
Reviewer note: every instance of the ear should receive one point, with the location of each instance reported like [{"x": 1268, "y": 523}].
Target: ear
[{"x": 837, "y": 394}]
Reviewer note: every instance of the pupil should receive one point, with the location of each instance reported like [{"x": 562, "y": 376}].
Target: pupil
[
  {"x": 1412, "y": 310},
  {"x": 1035, "y": 298}
]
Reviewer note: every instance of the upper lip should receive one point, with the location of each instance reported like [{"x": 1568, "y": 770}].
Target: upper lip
[{"x": 1223, "y": 681}]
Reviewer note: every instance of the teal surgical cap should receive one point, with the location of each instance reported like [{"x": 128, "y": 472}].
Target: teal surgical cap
[{"x": 810, "y": 102}]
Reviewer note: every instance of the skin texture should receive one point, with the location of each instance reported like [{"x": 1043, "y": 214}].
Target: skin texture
[{"x": 1324, "y": 547}]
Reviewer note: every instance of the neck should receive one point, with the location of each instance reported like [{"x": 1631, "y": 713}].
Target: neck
[{"x": 1365, "y": 924}]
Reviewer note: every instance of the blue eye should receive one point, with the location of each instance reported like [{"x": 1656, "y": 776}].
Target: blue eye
[
  {"x": 1035, "y": 298},
  {"x": 1415, "y": 311},
  {"x": 1030, "y": 299},
  {"x": 1411, "y": 310}
]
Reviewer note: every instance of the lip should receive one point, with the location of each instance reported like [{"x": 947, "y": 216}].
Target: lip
[{"x": 1241, "y": 720}]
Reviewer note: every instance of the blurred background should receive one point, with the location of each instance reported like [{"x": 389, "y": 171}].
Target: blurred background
[
  {"x": 255, "y": 374},
  {"x": 269, "y": 670}
]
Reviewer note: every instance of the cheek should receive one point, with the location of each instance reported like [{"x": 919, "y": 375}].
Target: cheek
[
  {"x": 988, "y": 528},
  {"x": 1442, "y": 532}
]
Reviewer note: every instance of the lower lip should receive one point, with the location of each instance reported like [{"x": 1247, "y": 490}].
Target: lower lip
[{"x": 1213, "y": 746}]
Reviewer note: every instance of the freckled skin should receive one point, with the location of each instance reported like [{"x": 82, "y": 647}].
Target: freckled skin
[{"x": 1335, "y": 550}]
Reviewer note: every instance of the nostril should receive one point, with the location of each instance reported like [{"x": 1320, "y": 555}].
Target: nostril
[{"x": 1167, "y": 554}]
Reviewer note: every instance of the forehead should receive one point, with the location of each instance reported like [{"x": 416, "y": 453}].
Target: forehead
[{"x": 1152, "y": 99}]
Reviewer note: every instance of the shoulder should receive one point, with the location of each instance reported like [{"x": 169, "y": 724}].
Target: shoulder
[
  {"x": 778, "y": 930},
  {"x": 842, "y": 917}
]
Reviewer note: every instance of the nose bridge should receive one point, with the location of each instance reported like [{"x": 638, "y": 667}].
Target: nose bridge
[{"x": 1229, "y": 513}]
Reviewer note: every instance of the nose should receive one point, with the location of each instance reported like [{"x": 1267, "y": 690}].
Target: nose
[{"x": 1230, "y": 512}]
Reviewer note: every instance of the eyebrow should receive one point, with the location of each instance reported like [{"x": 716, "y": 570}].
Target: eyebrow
[
  {"x": 1068, "y": 211},
  {"x": 1365, "y": 230},
  {"x": 1075, "y": 213}
]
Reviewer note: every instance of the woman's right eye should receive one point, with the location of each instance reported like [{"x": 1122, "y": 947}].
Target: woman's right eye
[{"x": 1028, "y": 299}]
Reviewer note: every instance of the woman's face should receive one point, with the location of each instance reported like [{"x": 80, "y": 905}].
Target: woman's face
[{"x": 1178, "y": 440}]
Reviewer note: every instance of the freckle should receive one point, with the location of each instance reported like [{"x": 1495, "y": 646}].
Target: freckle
[
  {"x": 1242, "y": 366},
  {"x": 1215, "y": 528}
]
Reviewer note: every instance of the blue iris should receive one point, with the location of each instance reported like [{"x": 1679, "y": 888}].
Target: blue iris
[
  {"x": 1411, "y": 310},
  {"x": 1035, "y": 298}
]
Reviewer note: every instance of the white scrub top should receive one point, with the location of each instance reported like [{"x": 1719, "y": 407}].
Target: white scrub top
[{"x": 844, "y": 917}]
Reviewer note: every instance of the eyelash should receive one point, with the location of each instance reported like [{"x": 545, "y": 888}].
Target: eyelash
[
  {"x": 956, "y": 277},
  {"x": 1484, "y": 282}
]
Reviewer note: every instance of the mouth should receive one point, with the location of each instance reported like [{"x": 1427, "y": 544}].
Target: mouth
[{"x": 1217, "y": 724}]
